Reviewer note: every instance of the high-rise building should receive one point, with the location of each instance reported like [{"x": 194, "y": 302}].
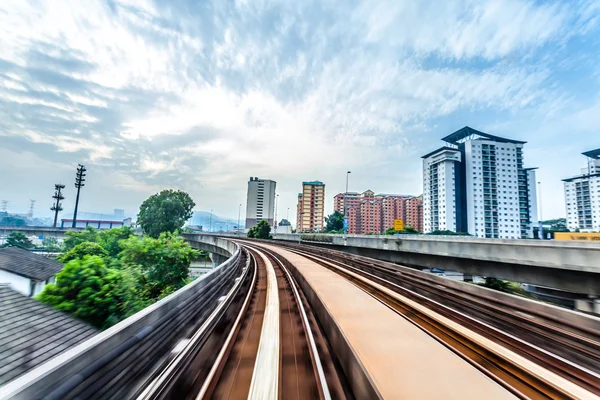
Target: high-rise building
[
  {"x": 413, "y": 212},
  {"x": 260, "y": 201},
  {"x": 582, "y": 196},
  {"x": 374, "y": 213},
  {"x": 311, "y": 207},
  {"x": 476, "y": 183}
]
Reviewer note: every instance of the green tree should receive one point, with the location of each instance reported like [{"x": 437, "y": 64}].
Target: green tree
[
  {"x": 73, "y": 238},
  {"x": 262, "y": 230},
  {"x": 166, "y": 211},
  {"x": 408, "y": 230},
  {"x": 82, "y": 250},
  {"x": 88, "y": 290},
  {"x": 18, "y": 239},
  {"x": 110, "y": 239},
  {"x": 159, "y": 266},
  {"x": 50, "y": 244},
  {"x": 334, "y": 222},
  {"x": 497, "y": 284}
]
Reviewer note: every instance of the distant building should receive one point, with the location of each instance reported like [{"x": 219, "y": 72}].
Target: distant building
[
  {"x": 368, "y": 212},
  {"x": 284, "y": 226},
  {"x": 311, "y": 207},
  {"x": 260, "y": 202},
  {"x": 26, "y": 272},
  {"x": 582, "y": 196},
  {"x": 476, "y": 183},
  {"x": 31, "y": 333}
]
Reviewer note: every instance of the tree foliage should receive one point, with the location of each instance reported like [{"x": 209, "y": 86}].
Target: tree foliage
[
  {"x": 82, "y": 250},
  {"x": 334, "y": 222},
  {"x": 166, "y": 211},
  {"x": 18, "y": 239},
  {"x": 408, "y": 230},
  {"x": 160, "y": 265},
  {"x": 73, "y": 238},
  {"x": 50, "y": 244},
  {"x": 262, "y": 230},
  {"x": 110, "y": 239},
  {"x": 88, "y": 290}
]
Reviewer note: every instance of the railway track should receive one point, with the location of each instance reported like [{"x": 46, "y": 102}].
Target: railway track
[
  {"x": 265, "y": 342},
  {"x": 502, "y": 368},
  {"x": 268, "y": 347}
]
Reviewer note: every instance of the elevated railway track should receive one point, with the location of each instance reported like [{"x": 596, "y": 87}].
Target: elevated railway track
[{"x": 288, "y": 321}]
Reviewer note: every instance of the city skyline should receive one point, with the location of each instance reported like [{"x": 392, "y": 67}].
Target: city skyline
[{"x": 152, "y": 95}]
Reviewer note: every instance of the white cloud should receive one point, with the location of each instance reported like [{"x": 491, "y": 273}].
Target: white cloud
[{"x": 292, "y": 90}]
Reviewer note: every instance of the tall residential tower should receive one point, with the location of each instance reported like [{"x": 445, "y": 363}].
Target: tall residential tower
[
  {"x": 260, "y": 202},
  {"x": 476, "y": 183},
  {"x": 311, "y": 207},
  {"x": 582, "y": 196}
]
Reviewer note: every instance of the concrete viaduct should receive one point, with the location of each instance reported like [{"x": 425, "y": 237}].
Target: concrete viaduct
[{"x": 563, "y": 265}]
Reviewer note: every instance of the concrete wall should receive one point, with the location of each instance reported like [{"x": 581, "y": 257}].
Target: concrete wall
[
  {"x": 570, "y": 266},
  {"x": 17, "y": 282}
]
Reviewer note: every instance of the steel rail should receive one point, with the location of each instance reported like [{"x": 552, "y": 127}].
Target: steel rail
[
  {"x": 314, "y": 353},
  {"x": 158, "y": 387},
  {"x": 493, "y": 365},
  {"x": 226, "y": 348}
]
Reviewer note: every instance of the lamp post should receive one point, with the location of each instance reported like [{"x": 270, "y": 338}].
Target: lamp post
[
  {"x": 239, "y": 214},
  {"x": 345, "y": 206}
]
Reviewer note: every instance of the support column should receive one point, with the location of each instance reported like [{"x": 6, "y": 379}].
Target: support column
[{"x": 217, "y": 259}]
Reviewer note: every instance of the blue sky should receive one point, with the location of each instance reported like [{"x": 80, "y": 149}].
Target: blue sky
[{"x": 201, "y": 95}]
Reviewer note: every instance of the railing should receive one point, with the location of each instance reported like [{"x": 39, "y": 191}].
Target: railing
[{"x": 116, "y": 361}]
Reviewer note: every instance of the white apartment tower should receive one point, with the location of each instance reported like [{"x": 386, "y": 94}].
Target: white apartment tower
[
  {"x": 476, "y": 183},
  {"x": 582, "y": 196},
  {"x": 260, "y": 202}
]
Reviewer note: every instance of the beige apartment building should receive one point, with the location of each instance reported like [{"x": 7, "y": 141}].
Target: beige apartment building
[{"x": 311, "y": 207}]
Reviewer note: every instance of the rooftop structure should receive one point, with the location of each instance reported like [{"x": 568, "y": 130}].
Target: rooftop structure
[{"x": 32, "y": 333}]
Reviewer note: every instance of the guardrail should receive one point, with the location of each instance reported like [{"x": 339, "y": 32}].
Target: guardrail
[{"x": 115, "y": 362}]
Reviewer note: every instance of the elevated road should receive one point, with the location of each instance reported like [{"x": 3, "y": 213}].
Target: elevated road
[{"x": 569, "y": 266}]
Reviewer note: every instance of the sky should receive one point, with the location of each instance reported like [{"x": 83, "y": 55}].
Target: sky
[{"x": 201, "y": 95}]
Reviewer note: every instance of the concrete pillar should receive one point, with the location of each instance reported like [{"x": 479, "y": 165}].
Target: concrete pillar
[
  {"x": 596, "y": 306},
  {"x": 217, "y": 259}
]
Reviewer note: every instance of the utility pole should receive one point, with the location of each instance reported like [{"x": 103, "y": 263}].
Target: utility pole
[
  {"x": 79, "y": 179},
  {"x": 57, "y": 206},
  {"x": 4, "y": 205},
  {"x": 210, "y": 223}
]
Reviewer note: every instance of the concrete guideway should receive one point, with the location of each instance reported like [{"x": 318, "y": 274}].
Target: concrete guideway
[
  {"x": 396, "y": 355},
  {"x": 569, "y": 266}
]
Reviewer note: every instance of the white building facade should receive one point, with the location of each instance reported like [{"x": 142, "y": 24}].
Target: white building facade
[
  {"x": 260, "y": 201},
  {"x": 440, "y": 170},
  {"x": 582, "y": 196},
  {"x": 477, "y": 184}
]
